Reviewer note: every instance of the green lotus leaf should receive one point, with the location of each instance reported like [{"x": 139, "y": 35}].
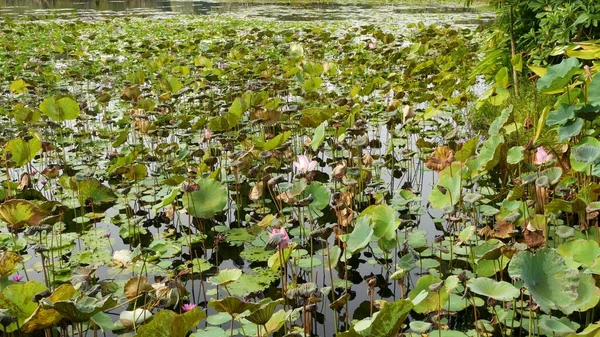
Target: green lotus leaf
[
  {"x": 232, "y": 305},
  {"x": 587, "y": 154},
  {"x": 387, "y": 323},
  {"x": 166, "y": 323},
  {"x": 264, "y": 312},
  {"x": 21, "y": 151},
  {"x": 332, "y": 257},
  {"x": 384, "y": 221},
  {"x": 447, "y": 333},
  {"x": 499, "y": 122},
  {"x": 276, "y": 321},
  {"x": 434, "y": 300},
  {"x": 559, "y": 75},
  {"x": 318, "y": 136},
  {"x": 225, "y": 277},
  {"x": 360, "y": 236},
  {"x": 447, "y": 192},
  {"x": 594, "y": 91},
  {"x": 588, "y": 295},
  {"x": 571, "y": 129},
  {"x": 81, "y": 309},
  {"x": 320, "y": 200},
  {"x": 553, "y": 326},
  {"x": 210, "y": 198},
  {"x": 582, "y": 252},
  {"x": 561, "y": 115},
  {"x": 60, "y": 110},
  {"x": 258, "y": 279},
  {"x": 551, "y": 283},
  {"x": 515, "y": 155},
  {"x": 91, "y": 190},
  {"x": 17, "y": 299},
  {"x": 500, "y": 291},
  {"x": 420, "y": 326},
  {"x": 46, "y": 317}
]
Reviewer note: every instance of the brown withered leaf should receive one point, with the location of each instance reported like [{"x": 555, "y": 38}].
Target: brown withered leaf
[
  {"x": 534, "y": 239},
  {"x": 135, "y": 286},
  {"x": 441, "y": 158},
  {"x": 503, "y": 229}
]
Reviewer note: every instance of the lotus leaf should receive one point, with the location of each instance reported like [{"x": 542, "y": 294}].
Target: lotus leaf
[
  {"x": 60, "y": 110},
  {"x": 388, "y": 321},
  {"x": 210, "y": 198},
  {"x": 8, "y": 262},
  {"x": 558, "y": 76},
  {"x": 225, "y": 277},
  {"x": 551, "y": 283},
  {"x": 43, "y": 317},
  {"x": 360, "y": 236},
  {"x": 166, "y": 323},
  {"x": 500, "y": 291},
  {"x": 21, "y": 151},
  {"x": 434, "y": 300},
  {"x": 16, "y": 298},
  {"x": 82, "y": 309}
]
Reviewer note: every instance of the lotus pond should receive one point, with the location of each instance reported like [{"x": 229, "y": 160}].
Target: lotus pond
[{"x": 212, "y": 176}]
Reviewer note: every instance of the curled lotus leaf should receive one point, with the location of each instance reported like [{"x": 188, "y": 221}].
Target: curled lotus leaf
[
  {"x": 18, "y": 213},
  {"x": 231, "y": 305},
  {"x": 264, "y": 312},
  {"x": 8, "y": 261},
  {"x": 46, "y": 317},
  {"x": 441, "y": 158}
]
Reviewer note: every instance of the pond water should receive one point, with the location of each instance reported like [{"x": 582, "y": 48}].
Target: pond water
[
  {"x": 396, "y": 14},
  {"x": 102, "y": 120}
]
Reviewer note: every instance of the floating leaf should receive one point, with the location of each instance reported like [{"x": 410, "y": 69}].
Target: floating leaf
[{"x": 225, "y": 276}]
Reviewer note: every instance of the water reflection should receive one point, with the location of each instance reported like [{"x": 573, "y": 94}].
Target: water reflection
[{"x": 397, "y": 14}]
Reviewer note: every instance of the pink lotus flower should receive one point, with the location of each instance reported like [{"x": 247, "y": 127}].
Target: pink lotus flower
[
  {"x": 17, "y": 278},
  {"x": 207, "y": 134},
  {"x": 279, "y": 237},
  {"x": 188, "y": 306},
  {"x": 305, "y": 165},
  {"x": 541, "y": 156}
]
